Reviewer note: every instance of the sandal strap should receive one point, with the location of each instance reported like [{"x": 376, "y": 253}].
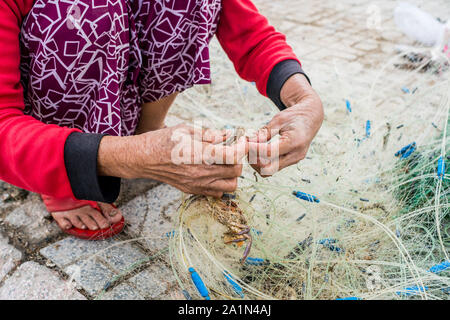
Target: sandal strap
[{"x": 66, "y": 204}]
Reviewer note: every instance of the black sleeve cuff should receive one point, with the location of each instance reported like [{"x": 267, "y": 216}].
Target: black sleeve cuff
[
  {"x": 278, "y": 76},
  {"x": 80, "y": 158}
]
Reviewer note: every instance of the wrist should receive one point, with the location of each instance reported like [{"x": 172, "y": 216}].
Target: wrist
[
  {"x": 303, "y": 101},
  {"x": 295, "y": 89},
  {"x": 117, "y": 156}
]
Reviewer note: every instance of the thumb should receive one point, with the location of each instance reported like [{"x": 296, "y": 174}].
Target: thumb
[{"x": 267, "y": 132}]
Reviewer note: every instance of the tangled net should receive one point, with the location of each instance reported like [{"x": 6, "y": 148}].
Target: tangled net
[{"x": 365, "y": 216}]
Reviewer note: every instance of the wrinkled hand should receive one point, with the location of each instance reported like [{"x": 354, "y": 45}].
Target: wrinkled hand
[
  {"x": 295, "y": 127},
  {"x": 191, "y": 160}
]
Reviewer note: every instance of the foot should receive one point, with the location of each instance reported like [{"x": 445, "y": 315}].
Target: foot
[{"x": 88, "y": 218}]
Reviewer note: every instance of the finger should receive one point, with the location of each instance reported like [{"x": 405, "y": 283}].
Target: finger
[
  {"x": 208, "y": 135},
  {"x": 292, "y": 158},
  {"x": 215, "y": 136},
  {"x": 275, "y": 165},
  {"x": 212, "y": 193},
  {"x": 269, "y": 150},
  {"x": 230, "y": 155},
  {"x": 203, "y": 192},
  {"x": 224, "y": 171},
  {"x": 199, "y": 173},
  {"x": 267, "y": 170},
  {"x": 263, "y": 135},
  {"x": 223, "y": 185},
  {"x": 270, "y": 130}
]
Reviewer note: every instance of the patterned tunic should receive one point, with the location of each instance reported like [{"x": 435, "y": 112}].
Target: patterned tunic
[{"x": 90, "y": 64}]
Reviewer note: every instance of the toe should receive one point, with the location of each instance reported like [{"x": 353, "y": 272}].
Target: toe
[
  {"x": 87, "y": 219},
  {"x": 74, "y": 218},
  {"x": 62, "y": 222},
  {"x": 102, "y": 221},
  {"x": 113, "y": 214}
]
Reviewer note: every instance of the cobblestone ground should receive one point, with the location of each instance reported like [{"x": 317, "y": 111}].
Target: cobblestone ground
[{"x": 37, "y": 261}]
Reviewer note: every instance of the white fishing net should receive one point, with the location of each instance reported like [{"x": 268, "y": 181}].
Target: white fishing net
[{"x": 381, "y": 229}]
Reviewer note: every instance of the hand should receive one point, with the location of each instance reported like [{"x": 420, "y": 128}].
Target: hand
[
  {"x": 190, "y": 160},
  {"x": 296, "y": 126}
]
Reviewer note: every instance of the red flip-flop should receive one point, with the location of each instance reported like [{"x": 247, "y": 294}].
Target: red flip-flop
[{"x": 55, "y": 205}]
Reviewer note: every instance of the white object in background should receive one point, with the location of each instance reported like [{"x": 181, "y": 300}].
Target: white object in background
[
  {"x": 418, "y": 24},
  {"x": 445, "y": 36},
  {"x": 443, "y": 44}
]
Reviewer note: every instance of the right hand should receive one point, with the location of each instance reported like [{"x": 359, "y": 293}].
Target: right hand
[{"x": 191, "y": 160}]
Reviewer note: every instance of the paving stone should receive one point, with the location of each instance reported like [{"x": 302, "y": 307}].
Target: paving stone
[
  {"x": 131, "y": 188},
  {"x": 9, "y": 257},
  {"x": 31, "y": 281},
  {"x": 135, "y": 212},
  {"x": 367, "y": 45},
  {"x": 150, "y": 215},
  {"x": 285, "y": 26},
  {"x": 123, "y": 257},
  {"x": 154, "y": 281},
  {"x": 91, "y": 275},
  {"x": 122, "y": 292},
  {"x": 30, "y": 218},
  {"x": 156, "y": 228},
  {"x": 6, "y": 207},
  {"x": 76, "y": 258},
  {"x": 174, "y": 294},
  {"x": 304, "y": 49},
  {"x": 70, "y": 249},
  {"x": 9, "y": 193}
]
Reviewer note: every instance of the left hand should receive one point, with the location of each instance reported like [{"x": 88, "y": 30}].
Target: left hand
[{"x": 296, "y": 126}]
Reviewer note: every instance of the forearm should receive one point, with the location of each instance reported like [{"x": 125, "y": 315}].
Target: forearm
[
  {"x": 151, "y": 155},
  {"x": 117, "y": 156},
  {"x": 138, "y": 156},
  {"x": 32, "y": 154}
]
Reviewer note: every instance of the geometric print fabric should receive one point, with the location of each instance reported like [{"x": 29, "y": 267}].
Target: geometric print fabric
[{"x": 90, "y": 64}]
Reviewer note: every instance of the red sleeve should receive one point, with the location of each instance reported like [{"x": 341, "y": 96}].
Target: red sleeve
[
  {"x": 250, "y": 42},
  {"x": 31, "y": 153}
]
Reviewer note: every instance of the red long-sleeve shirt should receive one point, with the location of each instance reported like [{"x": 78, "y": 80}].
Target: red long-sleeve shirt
[{"x": 32, "y": 153}]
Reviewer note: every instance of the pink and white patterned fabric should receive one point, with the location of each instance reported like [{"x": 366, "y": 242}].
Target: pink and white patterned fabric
[{"x": 90, "y": 64}]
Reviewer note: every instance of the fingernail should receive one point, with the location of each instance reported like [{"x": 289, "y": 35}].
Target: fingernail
[
  {"x": 67, "y": 226},
  {"x": 83, "y": 227}
]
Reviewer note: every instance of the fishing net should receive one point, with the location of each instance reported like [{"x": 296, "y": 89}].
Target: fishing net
[{"x": 364, "y": 216}]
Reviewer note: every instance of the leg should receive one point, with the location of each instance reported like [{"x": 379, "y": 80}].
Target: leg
[{"x": 154, "y": 113}]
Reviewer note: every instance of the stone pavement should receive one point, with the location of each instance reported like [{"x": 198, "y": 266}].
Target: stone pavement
[{"x": 37, "y": 261}]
